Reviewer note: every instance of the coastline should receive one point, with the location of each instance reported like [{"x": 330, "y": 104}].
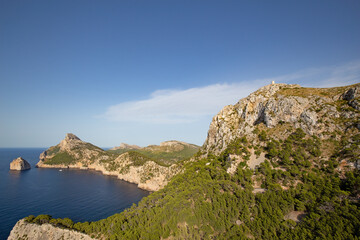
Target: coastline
[{"x": 133, "y": 176}]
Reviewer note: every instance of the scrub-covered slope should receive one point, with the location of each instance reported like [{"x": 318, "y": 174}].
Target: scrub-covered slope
[
  {"x": 167, "y": 153},
  {"x": 149, "y": 173}
]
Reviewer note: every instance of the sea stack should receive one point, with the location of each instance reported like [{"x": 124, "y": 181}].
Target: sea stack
[{"x": 19, "y": 164}]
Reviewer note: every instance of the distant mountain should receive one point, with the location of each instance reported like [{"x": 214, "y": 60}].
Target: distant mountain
[
  {"x": 168, "y": 152},
  {"x": 125, "y": 147},
  {"x": 150, "y": 169},
  {"x": 282, "y": 163}
]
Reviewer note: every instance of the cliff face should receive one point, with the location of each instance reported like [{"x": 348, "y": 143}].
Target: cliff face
[
  {"x": 318, "y": 111},
  {"x": 132, "y": 167},
  {"x": 24, "y": 230},
  {"x": 19, "y": 164}
]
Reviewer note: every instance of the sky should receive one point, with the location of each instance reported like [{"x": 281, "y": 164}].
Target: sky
[{"x": 143, "y": 72}]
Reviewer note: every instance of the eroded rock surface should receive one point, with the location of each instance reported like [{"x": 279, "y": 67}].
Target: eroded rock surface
[
  {"x": 19, "y": 164},
  {"x": 25, "y": 230},
  {"x": 318, "y": 111}
]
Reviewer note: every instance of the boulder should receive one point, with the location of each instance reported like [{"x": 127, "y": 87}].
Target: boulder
[{"x": 19, "y": 164}]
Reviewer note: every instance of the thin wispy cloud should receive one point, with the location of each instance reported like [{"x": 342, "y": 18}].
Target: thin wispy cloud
[
  {"x": 178, "y": 106},
  {"x": 184, "y": 106},
  {"x": 342, "y": 75}
]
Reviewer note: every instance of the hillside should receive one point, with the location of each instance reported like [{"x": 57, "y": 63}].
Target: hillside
[
  {"x": 167, "y": 153},
  {"x": 149, "y": 172},
  {"x": 282, "y": 163}
]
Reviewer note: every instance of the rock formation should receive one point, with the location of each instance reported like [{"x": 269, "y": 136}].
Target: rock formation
[
  {"x": 25, "y": 230},
  {"x": 19, "y": 164},
  {"x": 133, "y": 167},
  {"x": 317, "y": 111}
]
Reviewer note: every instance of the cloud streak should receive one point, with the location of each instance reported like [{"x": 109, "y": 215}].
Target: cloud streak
[
  {"x": 190, "y": 105},
  {"x": 178, "y": 106}
]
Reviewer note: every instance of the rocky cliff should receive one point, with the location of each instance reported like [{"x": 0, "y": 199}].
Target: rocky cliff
[
  {"x": 318, "y": 111},
  {"x": 19, "y": 164},
  {"x": 72, "y": 152},
  {"x": 25, "y": 230}
]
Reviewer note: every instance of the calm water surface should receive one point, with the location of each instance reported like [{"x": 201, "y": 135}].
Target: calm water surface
[{"x": 81, "y": 195}]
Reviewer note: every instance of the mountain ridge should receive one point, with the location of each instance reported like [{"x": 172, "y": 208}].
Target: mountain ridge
[
  {"x": 148, "y": 173},
  {"x": 283, "y": 104}
]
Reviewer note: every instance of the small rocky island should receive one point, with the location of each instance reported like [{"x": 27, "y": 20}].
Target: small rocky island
[{"x": 19, "y": 164}]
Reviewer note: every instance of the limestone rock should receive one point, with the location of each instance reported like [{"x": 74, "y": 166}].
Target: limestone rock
[
  {"x": 351, "y": 94},
  {"x": 317, "y": 111},
  {"x": 19, "y": 164},
  {"x": 25, "y": 230}
]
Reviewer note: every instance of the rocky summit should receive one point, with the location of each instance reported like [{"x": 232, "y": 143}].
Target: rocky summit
[
  {"x": 19, "y": 164},
  {"x": 318, "y": 111}
]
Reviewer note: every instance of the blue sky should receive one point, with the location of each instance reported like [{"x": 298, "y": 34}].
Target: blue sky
[{"x": 143, "y": 72}]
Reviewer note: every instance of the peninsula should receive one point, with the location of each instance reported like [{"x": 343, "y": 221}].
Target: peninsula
[{"x": 150, "y": 168}]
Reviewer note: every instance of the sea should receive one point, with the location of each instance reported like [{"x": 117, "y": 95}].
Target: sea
[{"x": 82, "y": 195}]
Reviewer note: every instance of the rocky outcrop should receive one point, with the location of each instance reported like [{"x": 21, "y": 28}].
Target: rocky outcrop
[
  {"x": 149, "y": 176},
  {"x": 19, "y": 164},
  {"x": 317, "y": 111},
  {"x": 132, "y": 167},
  {"x": 126, "y": 146},
  {"x": 25, "y": 230}
]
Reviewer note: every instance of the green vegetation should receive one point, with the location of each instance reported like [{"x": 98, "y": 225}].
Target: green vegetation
[
  {"x": 53, "y": 150},
  {"x": 135, "y": 158},
  {"x": 139, "y": 159},
  {"x": 59, "y": 222},
  {"x": 161, "y": 155},
  {"x": 61, "y": 158},
  {"x": 305, "y": 92},
  {"x": 205, "y": 202}
]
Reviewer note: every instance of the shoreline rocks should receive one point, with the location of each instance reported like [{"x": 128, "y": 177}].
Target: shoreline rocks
[
  {"x": 135, "y": 174},
  {"x": 25, "y": 230},
  {"x": 19, "y": 164}
]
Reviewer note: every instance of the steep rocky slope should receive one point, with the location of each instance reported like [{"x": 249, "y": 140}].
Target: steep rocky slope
[
  {"x": 319, "y": 112},
  {"x": 72, "y": 152}
]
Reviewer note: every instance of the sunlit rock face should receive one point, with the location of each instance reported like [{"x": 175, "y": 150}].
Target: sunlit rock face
[
  {"x": 19, "y": 164},
  {"x": 316, "y": 110},
  {"x": 25, "y": 230}
]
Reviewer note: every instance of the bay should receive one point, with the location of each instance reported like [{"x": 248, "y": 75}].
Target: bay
[{"x": 82, "y": 195}]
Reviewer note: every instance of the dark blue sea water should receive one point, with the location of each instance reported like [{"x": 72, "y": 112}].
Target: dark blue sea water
[{"x": 81, "y": 195}]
